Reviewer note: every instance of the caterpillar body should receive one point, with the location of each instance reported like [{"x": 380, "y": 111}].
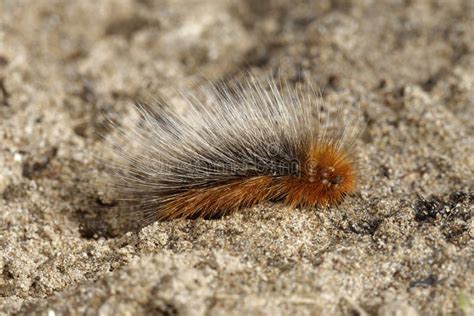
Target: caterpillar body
[{"x": 254, "y": 142}]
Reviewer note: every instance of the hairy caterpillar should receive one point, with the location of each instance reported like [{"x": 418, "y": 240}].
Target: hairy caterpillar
[{"x": 256, "y": 141}]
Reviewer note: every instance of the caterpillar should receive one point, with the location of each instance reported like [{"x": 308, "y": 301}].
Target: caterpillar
[{"x": 251, "y": 142}]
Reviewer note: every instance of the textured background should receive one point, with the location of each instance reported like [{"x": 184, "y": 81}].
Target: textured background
[{"x": 405, "y": 243}]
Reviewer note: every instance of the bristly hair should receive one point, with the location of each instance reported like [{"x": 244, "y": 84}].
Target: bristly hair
[{"x": 249, "y": 143}]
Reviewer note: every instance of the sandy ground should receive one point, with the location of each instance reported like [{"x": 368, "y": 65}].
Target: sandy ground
[{"x": 403, "y": 245}]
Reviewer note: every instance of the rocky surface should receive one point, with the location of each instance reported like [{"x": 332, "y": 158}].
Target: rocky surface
[{"x": 403, "y": 245}]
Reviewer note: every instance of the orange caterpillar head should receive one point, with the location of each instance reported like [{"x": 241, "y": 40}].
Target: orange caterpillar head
[{"x": 327, "y": 175}]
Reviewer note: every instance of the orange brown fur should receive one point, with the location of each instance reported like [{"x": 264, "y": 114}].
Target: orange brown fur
[
  {"x": 326, "y": 177},
  {"x": 217, "y": 200},
  {"x": 255, "y": 142}
]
